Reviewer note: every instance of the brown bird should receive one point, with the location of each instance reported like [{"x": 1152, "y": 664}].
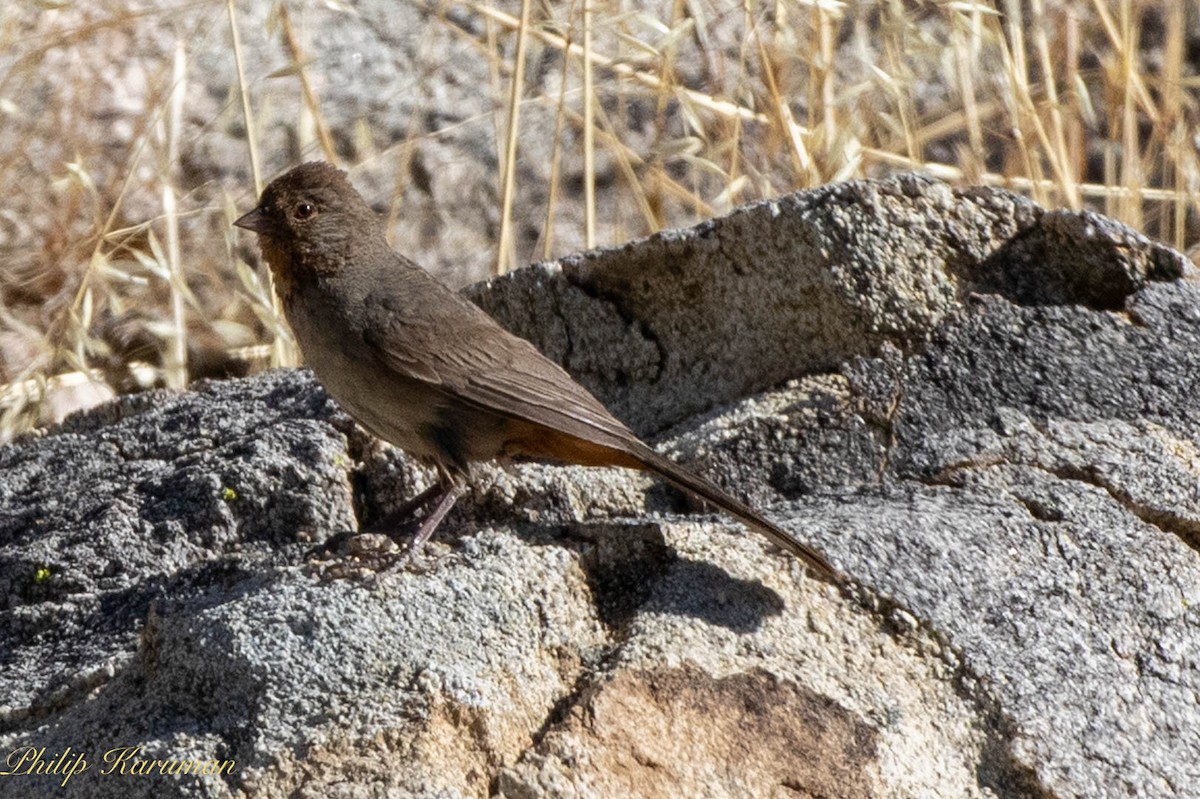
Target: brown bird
[{"x": 427, "y": 370}]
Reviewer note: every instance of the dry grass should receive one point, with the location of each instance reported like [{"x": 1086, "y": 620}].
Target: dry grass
[{"x": 1078, "y": 103}]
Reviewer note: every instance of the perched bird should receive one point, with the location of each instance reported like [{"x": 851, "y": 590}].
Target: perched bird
[{"x": 425, "y": 369}]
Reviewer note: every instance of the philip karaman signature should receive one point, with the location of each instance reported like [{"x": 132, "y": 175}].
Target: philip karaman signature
[{"x": 27, "y": 761}]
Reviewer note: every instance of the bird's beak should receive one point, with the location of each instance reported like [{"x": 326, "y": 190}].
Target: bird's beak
[{"x": 255, "y": 221}]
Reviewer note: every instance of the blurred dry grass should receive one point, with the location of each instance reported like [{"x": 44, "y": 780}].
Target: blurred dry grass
[{"x": 1078, "y": 103}]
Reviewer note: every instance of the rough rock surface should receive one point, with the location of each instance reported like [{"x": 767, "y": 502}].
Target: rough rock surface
[{"x": 985, "y": 412}]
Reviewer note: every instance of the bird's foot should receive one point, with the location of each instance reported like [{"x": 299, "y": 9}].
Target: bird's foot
[{"x": 394, "y": 542}]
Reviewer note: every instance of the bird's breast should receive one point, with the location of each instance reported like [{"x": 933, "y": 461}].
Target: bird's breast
[{"x": 392, "y": 407}]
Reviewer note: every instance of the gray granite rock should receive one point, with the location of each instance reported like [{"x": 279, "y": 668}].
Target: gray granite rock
[{"x": 984, "y": 412}]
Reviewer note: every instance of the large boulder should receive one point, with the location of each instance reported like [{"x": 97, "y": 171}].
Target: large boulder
[{"x": 986, "y": 413}]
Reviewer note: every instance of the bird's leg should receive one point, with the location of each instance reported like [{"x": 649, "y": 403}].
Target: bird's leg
[
  {"x": 448, "y": 488},
  {"x": 452, "y": 490},
  {"x": 390, "y": 525},
  {"x": 404, "y": 514},
  {"x": 451, "y": 495}
]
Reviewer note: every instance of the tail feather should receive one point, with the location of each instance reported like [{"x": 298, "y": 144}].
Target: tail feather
[
  {"x": 539, "y": 441},
  {"x": 707, "y": 491}
]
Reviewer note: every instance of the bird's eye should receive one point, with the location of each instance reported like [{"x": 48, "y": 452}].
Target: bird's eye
[{"x": 305, "y": 211}]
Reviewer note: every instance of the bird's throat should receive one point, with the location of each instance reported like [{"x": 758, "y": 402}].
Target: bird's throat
[
  {"x": 283, "y": 266},
  {"x": 297, "y": 265}
]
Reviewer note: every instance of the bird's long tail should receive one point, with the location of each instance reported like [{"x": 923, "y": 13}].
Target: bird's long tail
[
  {"x": 627, "y": 451},
  {"x": 705, "y": 490}
]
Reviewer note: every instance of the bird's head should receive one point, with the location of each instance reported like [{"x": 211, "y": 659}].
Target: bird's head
[{"x": 311, "y": 219}]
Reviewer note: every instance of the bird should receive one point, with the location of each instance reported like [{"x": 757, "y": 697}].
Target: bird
[{"x": 422, "y": 367}]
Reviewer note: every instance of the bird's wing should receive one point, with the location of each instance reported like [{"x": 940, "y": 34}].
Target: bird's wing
[
  {"x": 448, "y": 343},
  {"x": 436, "y": 336}
]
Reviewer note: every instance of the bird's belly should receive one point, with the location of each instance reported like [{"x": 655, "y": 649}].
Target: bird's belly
[
  {"x": 398, "y": 416},
  {"x": 401, "y": 411}
]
